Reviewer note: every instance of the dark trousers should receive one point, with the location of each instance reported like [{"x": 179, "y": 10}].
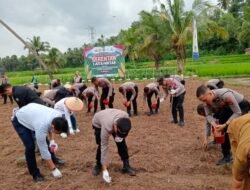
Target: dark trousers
[
  {"x": 177, "y": 106},
  {"x": 26, "y": 135},
  {"x": 28, "y": 138},
  {"x": 149, "y": 97},
  {"x": 122, "y": 147},
  {"x": 5, "y": 98},
  {"x": 223, "y": 115},
  {"x": 104, "y": 95},
  {"x": 134, "y": 102},
  {"x": 244, "y": 106},
  {"x": 73, "y": 121},
  {"x": 95, "y": 103}
]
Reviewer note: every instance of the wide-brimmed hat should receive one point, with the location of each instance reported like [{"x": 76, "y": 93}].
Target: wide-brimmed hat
[{"x": 74, "y": 104}]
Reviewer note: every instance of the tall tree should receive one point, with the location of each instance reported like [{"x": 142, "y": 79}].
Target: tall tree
[
  {"x": 54, "y": 59},
  {"x": 155, "y": 37},
  {"x": 39, "y": 45},
  {"x": 224, "y": 4},
  {"x": 180, "y": 24},
  {"x": 244, "y": 35}
]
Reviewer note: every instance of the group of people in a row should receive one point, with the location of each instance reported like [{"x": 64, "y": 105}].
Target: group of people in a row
[
  {"x": 173, "y": 85},
  {"x": 223, "y": 109},
  {"x": 39, "y": 118}
]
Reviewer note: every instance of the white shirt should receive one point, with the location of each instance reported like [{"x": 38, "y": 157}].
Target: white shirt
[
  {"x": 61, "y": 107},
  {"x": 38, "y": 118}
]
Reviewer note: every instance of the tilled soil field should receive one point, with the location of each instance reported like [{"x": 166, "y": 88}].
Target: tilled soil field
[{"x": 164, "y": 155}]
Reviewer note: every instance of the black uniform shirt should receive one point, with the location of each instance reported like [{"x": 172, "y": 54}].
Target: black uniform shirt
[{"x": 24, "y": 95}]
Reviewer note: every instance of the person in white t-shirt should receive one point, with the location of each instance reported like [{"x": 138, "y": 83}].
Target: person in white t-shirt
[
  {"x": 45, "y": 122},
  {"x": 67, "y": 106}
]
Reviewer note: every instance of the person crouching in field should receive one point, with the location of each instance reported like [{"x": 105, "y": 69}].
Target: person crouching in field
[
  {"x": 106, "y": 123},
  {"x": 211, "y": 84},
  {"x": 221, "y": 107},
  {"x": 215, "y": 84},
  {"x": 90, "y": 95},
  {"x": 177, "y": 90},
  {"x": 239, "y": 134},
  {"x": 67, "y": 106},
  {"x": 44, "y": 122},
  {"x": 129, "y": 90},
  {"x": 150, "y": 90},
  {"x": 49, "y": 97},
  {"x": 107, "y": 96}
]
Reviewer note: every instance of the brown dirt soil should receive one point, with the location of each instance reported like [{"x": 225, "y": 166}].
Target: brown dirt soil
[{"x": 165, "y": 155}]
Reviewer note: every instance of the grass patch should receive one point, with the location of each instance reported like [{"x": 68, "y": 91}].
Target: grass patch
[{"x": 210, "y": 66}]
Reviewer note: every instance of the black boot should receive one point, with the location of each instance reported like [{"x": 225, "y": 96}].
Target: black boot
[
  {"x": 57, "y": 161},
  {"x": 150, "y": 113},
  {"x": 224, "y": 160},
  {"x": 129, "y": 113},
  {"x": 38, "y": 178},
  {"x": 97, "y": 169},
  {"x": 127, "y": 168}
]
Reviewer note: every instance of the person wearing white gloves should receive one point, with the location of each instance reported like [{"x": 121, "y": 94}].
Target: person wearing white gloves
[
  {"x": 45, "y": 122},
  {"x": 67, "y": 106},
  {"x": 177, "y": 90},
  {"x": 106, "y": 123}
]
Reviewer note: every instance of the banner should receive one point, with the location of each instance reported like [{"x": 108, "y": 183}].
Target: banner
[
  {"x": 107, "y": 61},
  {"x": 195, "y": 42}
]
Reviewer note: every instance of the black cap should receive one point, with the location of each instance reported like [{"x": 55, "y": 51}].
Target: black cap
[{"x": 123, "y": 127}]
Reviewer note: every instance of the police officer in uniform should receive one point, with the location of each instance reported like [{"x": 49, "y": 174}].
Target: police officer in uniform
[
  {"x": 228, "y": 105},
  {"x": 129, "y": 90}
]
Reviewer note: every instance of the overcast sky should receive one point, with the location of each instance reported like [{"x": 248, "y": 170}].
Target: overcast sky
[{"x": 64, "y": 23}]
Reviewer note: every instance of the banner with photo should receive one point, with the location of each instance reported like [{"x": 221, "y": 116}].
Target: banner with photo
[{"x": 107, "y": 61}]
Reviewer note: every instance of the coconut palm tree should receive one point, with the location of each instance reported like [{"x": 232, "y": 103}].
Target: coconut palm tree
[
  {"x": 155, "y": 37},
  {"x": 54, "y": 59},
  {"x": 38, "y": 45},
  {"x": 180, "y": 23},
  {"x": 224, "y": 4}
]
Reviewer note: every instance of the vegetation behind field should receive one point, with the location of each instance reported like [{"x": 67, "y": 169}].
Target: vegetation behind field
[{"x": 209, "y": 66}]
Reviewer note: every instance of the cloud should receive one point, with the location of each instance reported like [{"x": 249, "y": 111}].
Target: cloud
[{"x": 64, "y": 23}]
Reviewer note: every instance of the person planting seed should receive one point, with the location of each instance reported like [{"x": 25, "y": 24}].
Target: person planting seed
[
  {"x": 129, "y": 90},
  {"x": 177, "y": 91},
  {"x": 107, "y": 96},
  {"x": 150, "y": 90},
  {"x": 106, "y": 123},
  {"x": 67, "y": 106},
  {"x": 45, "y": 122},
  {"x": 221, "y": 107},
  {"x": 89, "y": 96}
]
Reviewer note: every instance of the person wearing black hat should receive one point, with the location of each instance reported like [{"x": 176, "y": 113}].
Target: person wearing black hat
[{"x": 116, "y": 123}]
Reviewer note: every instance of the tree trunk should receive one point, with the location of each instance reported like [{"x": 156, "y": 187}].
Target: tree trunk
[
  {"x": 157, "y": 62},
  {"x": 32, "y": 50},
  {"x": 180, "y": 59},
  {"x": 179, "y": 63}
]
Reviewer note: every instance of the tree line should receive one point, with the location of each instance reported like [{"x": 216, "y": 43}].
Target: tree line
[{"x": 162, "y": 34}]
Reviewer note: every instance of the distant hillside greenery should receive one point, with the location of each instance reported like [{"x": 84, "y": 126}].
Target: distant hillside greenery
[{"x": 161, "y": 41}]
